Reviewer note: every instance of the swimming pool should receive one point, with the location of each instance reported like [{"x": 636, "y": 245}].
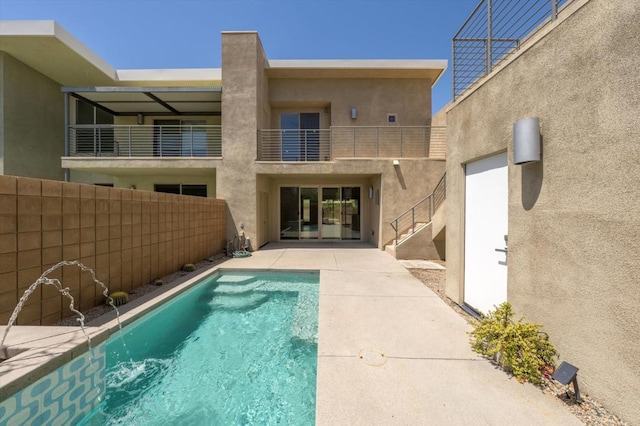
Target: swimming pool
[{"x": 236, "y": 348}]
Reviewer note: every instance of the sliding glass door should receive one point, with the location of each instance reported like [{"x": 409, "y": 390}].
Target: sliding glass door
[{"x": 327, "y": 213}]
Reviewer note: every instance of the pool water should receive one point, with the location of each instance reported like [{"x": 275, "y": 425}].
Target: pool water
[{"x": 236, "y": 349}]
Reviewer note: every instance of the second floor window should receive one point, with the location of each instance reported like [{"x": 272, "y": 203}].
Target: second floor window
[{"x": 93, "y": 134}]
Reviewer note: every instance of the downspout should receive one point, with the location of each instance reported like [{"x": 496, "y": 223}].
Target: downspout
[{"x": 66, "y": 134}]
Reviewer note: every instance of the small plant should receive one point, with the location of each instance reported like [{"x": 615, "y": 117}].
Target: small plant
[
  {"x": 518, "y": 347},
  {"x": 119, "y": 298},
  {"x": 189, "y": 267},
  {"x": 158, "y": 282}
]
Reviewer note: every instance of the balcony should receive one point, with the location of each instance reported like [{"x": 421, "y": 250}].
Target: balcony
[
  {"x": 352, "y": 142},
  {"x": 108, "y": 140}
]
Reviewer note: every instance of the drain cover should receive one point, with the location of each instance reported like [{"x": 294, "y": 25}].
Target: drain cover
[{"x": 371, "y": 356}]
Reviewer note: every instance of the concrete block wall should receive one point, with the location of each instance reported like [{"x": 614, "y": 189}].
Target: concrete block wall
[{"x": 128, "y": 237}]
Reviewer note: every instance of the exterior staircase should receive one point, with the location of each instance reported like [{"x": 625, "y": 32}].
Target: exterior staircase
[{"x": 414, "y": 229}]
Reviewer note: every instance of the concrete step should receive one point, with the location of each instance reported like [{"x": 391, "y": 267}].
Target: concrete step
[{"x": 238, "y": 301}]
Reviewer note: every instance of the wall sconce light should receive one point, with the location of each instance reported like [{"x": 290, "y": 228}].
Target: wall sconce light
[
  {"x": 140, "y": 119},
  {"x": 566, "y": 374},
  {"x": 526, "y": 140},
  {"x": 354, "y": 113},
  {"x": 370, "y": 192}
]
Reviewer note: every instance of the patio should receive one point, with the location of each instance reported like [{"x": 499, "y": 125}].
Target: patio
[{"x": 390, "y": 351}]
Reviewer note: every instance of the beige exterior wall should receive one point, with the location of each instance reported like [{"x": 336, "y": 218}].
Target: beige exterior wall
[
  {"x": 374, "y": 98},
  {"x": 245, "y": 111},
  {"x": 128, "y": 237},
  {"x": 574, "y": 230},
  {"x": 32, "y": 136},
  {"x": 400, "y": 187}
]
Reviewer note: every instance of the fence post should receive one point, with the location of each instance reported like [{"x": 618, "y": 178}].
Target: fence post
[
  {"x": 453, "y": 71},
  {"x": 489, "y": 46},
  {"x": 413, "y": 220},
  {"x": 191, "y": 128},
  {"x": 354, "y": 141}
]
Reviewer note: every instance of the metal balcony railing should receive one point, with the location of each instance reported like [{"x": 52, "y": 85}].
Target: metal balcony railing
[
  {"x": 494, "y": 31},
  {"x": 106, "y": 140},
  {"x": 352, "y": 142},
  {"x": 294, "y": 145}
]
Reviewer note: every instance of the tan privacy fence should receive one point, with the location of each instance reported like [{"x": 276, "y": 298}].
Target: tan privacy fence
[{"x": 128, "y": 237}]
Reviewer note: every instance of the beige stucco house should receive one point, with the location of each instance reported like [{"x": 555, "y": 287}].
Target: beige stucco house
[
  {"x": 319, "y": 150},
  {"x": 558, "y": 238}
]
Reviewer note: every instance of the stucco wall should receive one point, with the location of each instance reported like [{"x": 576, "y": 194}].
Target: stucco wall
[
  {"x": 574, "y": 230},
  {"x": 400, "y": 186},
  {"x": 243, "y": 60},
  {"x": 128, "y": 237},
  {"x": 33, "y": 121},
  {"x": 374, "y": 98}
]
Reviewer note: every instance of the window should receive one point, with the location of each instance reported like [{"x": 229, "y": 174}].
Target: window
[
  {"x": 300, "y": 136},
  {"x": 392, "y": 118},
  {"x": 180, "y": 138},
  {"x": 196, "y": 190},
  {"x": 94, "y": 133}
]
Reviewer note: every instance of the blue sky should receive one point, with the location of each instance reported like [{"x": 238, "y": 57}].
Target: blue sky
[{"x": 186, "y": 33}]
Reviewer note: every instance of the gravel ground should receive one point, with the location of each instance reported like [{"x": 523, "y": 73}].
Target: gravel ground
[
  {"x": 589, "y": 412},
  {"x": 100, "y": 310}
]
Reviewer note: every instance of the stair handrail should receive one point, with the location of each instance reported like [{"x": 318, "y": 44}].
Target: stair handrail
[{"x": 435, "y": 200}]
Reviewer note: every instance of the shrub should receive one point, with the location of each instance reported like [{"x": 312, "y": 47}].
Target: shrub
[
  {"x": 158, "y": 282},
  {"x": 189, "y": 267},
  {"x": 518, "y": 347},
  {"x": 119, "y": 298}
]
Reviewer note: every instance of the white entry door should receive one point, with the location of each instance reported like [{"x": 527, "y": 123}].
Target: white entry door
[{"x": 486, "y": 219}]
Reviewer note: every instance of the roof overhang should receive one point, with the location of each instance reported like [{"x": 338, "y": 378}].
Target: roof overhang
[
  {"x": 128, "y": 101},
  {"x": 357, "y": 68},
  {"x": 49, "y": 49}
]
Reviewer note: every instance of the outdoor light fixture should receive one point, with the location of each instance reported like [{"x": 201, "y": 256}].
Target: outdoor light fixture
[
  {"x": 370, "y": 192},
  {"x": 140, "y": 118},
  {"x": 526, "y": 140},
  {"x": 566, "y": 374},
  {"x": 354, "y": 113},
  {"x": 396, "y": 163}
]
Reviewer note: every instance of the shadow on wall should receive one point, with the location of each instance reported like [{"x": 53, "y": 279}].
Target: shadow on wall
[
  {"x": 400, "y": 176},
  {"x": 532, "y": 175}
]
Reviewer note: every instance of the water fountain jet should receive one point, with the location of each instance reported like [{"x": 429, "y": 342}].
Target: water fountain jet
[{"x": 64, "y": 291}]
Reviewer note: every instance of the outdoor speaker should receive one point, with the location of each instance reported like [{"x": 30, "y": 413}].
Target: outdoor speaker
[{"x": 526, "y": 140}]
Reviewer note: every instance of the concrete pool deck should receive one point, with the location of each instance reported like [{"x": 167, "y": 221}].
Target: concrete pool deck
[{"x": 390, "y": 351}]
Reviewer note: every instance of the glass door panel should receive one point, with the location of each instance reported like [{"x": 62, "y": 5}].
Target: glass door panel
[
  {"x": 350, "y": 213},
  {"x": 289, "y": 222},
  {"x": 167, "y": 140},
  {"x": 308, "y": 213},
  {"x": 194, "y": 138},
  {"x": 310, "y": 133},
  {"x": 331, "y": 213},
  {"x": 290, "y": 126}
]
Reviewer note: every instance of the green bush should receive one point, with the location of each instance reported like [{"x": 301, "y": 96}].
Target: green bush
[
  {"x": 518, "y": 347},
  {"x": 189, "y": 267}
]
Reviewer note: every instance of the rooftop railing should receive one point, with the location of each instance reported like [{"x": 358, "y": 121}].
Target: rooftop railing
[
  {"x": 352, "y": 142},
  {"x": 106, "y": 140},
  {"x": 494, "y": 31}
]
